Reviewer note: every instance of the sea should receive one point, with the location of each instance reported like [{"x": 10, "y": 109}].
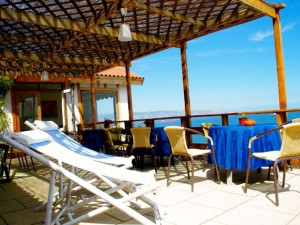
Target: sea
[{"x": 233, "y": 120}]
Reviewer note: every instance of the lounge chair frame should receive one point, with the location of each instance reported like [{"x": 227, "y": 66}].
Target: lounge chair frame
[{"x": 116, "y": 184}]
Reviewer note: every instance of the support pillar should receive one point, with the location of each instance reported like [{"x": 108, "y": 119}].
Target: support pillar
[
  {"x": 129, "y": 95},
  {"x": 282, "y": 117},
  {"x": 186, "y": 90}
]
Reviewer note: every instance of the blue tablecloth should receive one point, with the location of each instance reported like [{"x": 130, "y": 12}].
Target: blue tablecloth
[
  {"x": 231, "y": 145},
  {"x": 161, "y": 142},
  {"x": 95, "y": 139}
]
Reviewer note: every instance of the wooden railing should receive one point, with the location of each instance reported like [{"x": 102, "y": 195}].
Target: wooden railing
[{"x": 281, "y": 117}]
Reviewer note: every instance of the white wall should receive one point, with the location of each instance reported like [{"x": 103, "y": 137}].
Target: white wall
[
  {"x": 69, "y": 110},
  {"x": 123, "y": 104},
  {"x": 8, "y": 110}
]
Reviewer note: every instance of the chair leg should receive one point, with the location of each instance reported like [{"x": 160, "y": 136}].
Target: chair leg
[
  {"x": 32, "y": 164},
  {"x": 187, "y": 167},
  {"x": 169, "y": 165},
  {"x": 216, "y": 167},
  {"x": 284, "y": 172},
  {"x": 142, "y": 161},
  {"x": 136, "y": 161},
  {"x": 192, "y": 177},
  {"x": 247, "y": 175},
  {"x": 10, "y": 158},
  {"x": 154, "y": 162},
  {"x": 275, "y": 183},
  {"x": 269, "y": 172},
  {"x": 26, "y": 161},
  {"x": 204, "y": 162}
]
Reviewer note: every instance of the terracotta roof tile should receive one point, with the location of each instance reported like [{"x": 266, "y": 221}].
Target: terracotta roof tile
[{"x": 118, "y": 72}]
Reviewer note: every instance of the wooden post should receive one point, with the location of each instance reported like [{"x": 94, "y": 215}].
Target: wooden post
[
  {"x": 185, "y": 83},
  {"x": 225, "y": 120},
  {"x": 129, "y": 95},
  {"x": 93, "y": 102},
  {"x": 280, "y": 67},
  {"x": 65, "y": 109},
  {"x": 72, "y": 86}
]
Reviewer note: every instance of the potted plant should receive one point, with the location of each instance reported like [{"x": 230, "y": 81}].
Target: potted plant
[
  {"x": 5, "y": 86},
  {"x": 148, "y": 123},
  {"x": 107, "y": 122},
  {"x": 242, "y": 119}
]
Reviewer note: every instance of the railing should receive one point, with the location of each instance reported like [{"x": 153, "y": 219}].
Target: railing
[{"x": 281, "y": 117}]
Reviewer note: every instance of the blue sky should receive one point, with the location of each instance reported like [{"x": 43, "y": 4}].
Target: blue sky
[{"x": 231, "y": 70}]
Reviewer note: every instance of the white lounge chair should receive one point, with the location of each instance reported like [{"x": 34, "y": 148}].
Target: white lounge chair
[
  {"x": 52, "y": 129},
  {"x": 135, "y": 183}
]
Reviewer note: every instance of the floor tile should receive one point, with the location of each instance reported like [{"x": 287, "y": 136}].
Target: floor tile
[
  {"x": 220, "y": 200},
  {"x": 190, "y": 213},
  {"x": 249, "y": 215}
]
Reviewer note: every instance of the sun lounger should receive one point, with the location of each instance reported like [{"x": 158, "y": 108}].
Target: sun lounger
[
  {"x": 52, "y": 129},
  {"x": 135, "y": 183}
]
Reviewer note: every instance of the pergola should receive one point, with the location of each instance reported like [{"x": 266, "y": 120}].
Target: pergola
[{"x": 75, "y": 39}]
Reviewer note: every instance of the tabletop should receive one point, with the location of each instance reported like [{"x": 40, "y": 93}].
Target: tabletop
[{"x": 231, "y": 144}]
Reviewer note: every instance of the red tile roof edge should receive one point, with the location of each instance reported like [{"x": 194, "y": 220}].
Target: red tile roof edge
[{"x": 117, "y": 72}]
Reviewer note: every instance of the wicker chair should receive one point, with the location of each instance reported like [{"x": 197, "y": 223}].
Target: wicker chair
[
  {"x": 177, "y": 138},
  {"x": 290, "y": 149},
  {"x": 141, "y": 146}
]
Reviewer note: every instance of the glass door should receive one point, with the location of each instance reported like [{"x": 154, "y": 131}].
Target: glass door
[{"x": 27, "y": 108}]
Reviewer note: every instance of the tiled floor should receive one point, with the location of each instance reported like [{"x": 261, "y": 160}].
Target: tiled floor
[{"x": 209, "y": 204}]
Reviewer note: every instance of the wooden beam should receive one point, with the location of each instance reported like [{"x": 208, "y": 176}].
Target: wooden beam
[
  {"x": 66, "y": 24},
  {"x": 17, "y": 73},
  {"x": 168, "y": 14},
  {"x": 227, "y": 20},
  {"x": 27, "y": 39},
  {"x": 29, "y": 79},
  {"x": 113, "y": 32},
  {"x": 74, "y": 44},
  {"x": 54, "y": 59},
  {"x": 102, "y": 16},
  {"x": 39, "y": 66},
  {"x": 261, "y": 6}
]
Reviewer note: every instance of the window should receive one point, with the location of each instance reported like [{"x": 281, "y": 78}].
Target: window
[{"x": 105, "y": 106}]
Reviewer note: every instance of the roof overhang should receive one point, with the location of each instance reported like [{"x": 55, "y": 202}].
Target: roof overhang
[{"x": 75, "y": 39}]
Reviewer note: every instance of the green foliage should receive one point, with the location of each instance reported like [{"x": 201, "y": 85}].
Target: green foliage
[
  {"x": 107, "y": 122},
  {"x": 5, "y": 85},
  {"x": 244, "y": 116},
  {"x": 148, "y": 123}
]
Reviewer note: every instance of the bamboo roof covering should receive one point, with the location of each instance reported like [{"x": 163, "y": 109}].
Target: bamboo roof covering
[{"x": 71, "y": 38}]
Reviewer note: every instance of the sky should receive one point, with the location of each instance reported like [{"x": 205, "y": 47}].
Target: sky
[{"x": 230, "y": 70}]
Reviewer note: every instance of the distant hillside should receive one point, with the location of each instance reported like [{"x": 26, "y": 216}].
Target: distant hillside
[{"x": 160, "y": 114}]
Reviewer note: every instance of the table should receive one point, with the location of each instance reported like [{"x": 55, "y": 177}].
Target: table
[
  {"x": 160, "y": 139},
  {"x": 231, "y": 146},
  {"x": 95, "y": 139}
]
